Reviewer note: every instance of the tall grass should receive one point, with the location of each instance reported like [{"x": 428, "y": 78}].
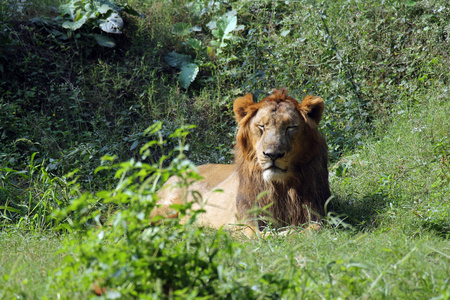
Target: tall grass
[
  {"x": 29, "y": 197},
  {"x": 403, "y": 172}
]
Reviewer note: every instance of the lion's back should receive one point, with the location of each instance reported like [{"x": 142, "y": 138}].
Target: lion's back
[{"x": 218, "y": 190}]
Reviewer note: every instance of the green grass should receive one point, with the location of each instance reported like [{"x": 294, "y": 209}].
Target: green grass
[
  {"x": 337, "y": 264},
  {"x": 404, "y": 171},
  {"x": 28, "y": 259}
]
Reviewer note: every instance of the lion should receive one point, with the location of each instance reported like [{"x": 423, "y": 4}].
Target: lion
[{"x": 279, "y": 176}]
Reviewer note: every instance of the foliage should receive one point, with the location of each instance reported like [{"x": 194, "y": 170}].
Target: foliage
[
  {"x": 189, "y": 69},
  {"x": 382, "y": 68},
  {"x": 126, "y": 256},
  {"x": 221, "y": 30},
  {"x": 287, "y": 43},
  {"x": 27, "y": 257},
  {"x": 29, "y": 197},
  {"x": 96, "y": 93},
  {"x": 103, "y": 14},
  {"x": 408, "y": 173}
]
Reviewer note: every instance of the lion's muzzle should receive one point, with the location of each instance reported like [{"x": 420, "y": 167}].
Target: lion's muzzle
[{"x": 273, "y": 155}]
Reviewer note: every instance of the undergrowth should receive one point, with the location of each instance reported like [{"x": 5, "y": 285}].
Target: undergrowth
[
  {"x": 403, "y": 173},
  {"x": 63, "y": 94}
]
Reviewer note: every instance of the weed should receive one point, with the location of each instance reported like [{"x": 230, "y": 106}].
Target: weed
[
  {"x": 174, "y": 260},
  {"x": 29, "y": 197}
]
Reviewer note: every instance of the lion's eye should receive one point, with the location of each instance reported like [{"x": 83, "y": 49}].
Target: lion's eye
[
  {"x": 261, "y": 127},
  {"x": 291, "y": 129}
]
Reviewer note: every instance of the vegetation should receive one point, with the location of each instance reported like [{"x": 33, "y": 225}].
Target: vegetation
[{"x": 95, "y": 98}]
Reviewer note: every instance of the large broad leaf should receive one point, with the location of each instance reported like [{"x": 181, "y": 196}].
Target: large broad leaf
[
  {"x": 176, "y": 60},
  {"x": 69, "y": 9},
  {"x": 104, "y": 8},
  {"x": 104, "y": 41},
  {"x": 188, "y": 74},
  {"x": 106, "y": 5},
  {"x": 224, "y": 27},
  {"x": 227, "y": 25},
  {"x": 75, "y": 25},
  {"x": 211, "y": 25},
  {"x": 112, "y": 24}
]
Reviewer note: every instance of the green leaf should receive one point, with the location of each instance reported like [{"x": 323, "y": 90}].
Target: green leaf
[
  {"x": 104, "y": 41},
  {"x": 176, "y": 60},
  {"x": 218, "y": 44},
  {"x": 7, "y": 170},
  {"x": 75, "y": 25},
  {"x": 188, "y": 74},
  {"x": 195, "y": 44},
  {"x": 285, "y": 33},
  {"x": 212, "y": 25},
  {"x": 10, "y": 209},
  {"x": 411, "y": 2},
  {"x": 154, "y": 128},
  {"x": 181, "y": 29},
  {"x": 104, "y": 8},
  {"x": 195, "y": 28},
  {"x": 131, "y": 11},
  {"x": 69, "y": 9},
  {"x": 134, "y": 145},
  {"x": 112, "y": 24},
  {"x": 225, "y": 26}
]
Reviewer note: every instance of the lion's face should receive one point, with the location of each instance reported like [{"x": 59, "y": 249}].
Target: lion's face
[{"x": 273, "y": 131}]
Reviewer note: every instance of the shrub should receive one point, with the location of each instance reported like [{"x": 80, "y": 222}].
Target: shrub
[{"x": 124, "y": 255}]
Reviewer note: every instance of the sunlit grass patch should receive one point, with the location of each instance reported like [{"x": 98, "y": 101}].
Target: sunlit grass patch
[{"x": 27, "y": 262}]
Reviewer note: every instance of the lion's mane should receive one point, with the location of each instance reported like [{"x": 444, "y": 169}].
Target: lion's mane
[{"x": 296, "y": 200}]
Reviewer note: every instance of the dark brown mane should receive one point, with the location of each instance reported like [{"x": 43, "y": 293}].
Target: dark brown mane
[
  {"x": 298, "y": 200},
  {"x": 279, "y": 96}
]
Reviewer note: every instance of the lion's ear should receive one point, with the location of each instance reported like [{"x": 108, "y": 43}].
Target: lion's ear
[
  {"x": 240, "y": 106},
  {"x": 312, "y": 107}
]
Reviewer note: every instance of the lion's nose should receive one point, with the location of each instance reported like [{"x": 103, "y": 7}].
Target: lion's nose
[{"x": 273, "y": 155}]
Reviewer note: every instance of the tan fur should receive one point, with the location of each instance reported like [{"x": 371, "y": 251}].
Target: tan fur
[{"x": 279, "y": 150}]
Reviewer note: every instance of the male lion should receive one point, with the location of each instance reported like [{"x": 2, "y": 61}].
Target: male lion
[{"x": 278, "y": 150}]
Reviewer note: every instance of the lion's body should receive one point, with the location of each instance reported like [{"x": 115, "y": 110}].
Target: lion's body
[
  {"x": 218, "y": 190},
  {"x": 278, "y": 150}
]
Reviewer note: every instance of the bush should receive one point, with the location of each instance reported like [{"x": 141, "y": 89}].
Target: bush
[{"x": 124, "y": 255}]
